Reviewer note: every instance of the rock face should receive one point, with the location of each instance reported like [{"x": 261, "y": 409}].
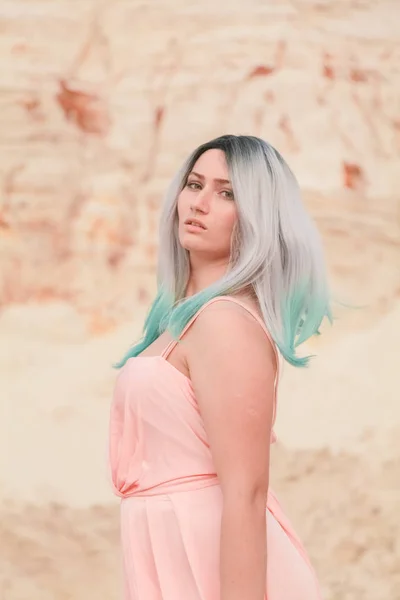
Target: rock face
[{"x": 101, "y": 102}]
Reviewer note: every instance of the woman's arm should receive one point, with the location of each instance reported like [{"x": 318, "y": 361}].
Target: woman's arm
[{"x": 232, "y": 368}]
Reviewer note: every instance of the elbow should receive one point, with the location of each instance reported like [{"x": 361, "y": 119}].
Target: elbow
[{"x": 253, "y": 496}]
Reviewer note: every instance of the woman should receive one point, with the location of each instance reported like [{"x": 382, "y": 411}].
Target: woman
[{"x": 241, "y": 283}]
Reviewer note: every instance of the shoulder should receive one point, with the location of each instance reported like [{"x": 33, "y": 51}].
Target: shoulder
[
  {"x": 232, "y": 365},
  {"x": 225, "y": 327}
]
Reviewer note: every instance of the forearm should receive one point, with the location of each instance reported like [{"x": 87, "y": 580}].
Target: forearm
[{"x": 243, "y": 550}]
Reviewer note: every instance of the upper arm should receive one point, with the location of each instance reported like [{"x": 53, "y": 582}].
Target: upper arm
[{"x": 232, "y": 369}]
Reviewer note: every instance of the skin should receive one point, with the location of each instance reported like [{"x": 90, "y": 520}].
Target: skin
[
  {"x": 231, "y": 365},
  {"x": 211, "y": 201}
]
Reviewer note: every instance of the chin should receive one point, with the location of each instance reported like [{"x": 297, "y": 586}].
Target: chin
[
  {"x": 190, "y": 245},
  {"x": 189, "y": 242}
]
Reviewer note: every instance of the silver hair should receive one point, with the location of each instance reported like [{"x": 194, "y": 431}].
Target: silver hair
[{"x": 275, "y": 247}]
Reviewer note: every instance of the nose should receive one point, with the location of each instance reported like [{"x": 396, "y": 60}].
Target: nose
[{"x": 201, "y": 202}]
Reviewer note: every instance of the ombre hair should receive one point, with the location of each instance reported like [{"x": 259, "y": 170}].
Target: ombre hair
[{"x": 275, "y": 249}]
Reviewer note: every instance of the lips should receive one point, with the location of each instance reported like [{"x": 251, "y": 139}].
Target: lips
[{"x": 195, "y": 222}]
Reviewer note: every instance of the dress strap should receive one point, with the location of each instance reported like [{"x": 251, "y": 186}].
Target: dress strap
[
  {"x": 165, "y": 353},
  {"x": 173, "y": 343}
]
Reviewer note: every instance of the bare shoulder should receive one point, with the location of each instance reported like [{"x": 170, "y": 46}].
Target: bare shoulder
[
  {"x": 227, "y": 332},
  {"x": 232, "y": 369}
]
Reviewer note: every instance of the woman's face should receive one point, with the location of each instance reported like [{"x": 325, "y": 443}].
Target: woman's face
[{"x": 208, "y": 197}]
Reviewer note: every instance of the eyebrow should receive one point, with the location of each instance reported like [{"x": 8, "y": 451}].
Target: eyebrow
[{"x": 200, "y": 176}]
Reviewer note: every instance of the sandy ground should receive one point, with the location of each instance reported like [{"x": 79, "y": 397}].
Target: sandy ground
[{"x": 335, "y": 467}]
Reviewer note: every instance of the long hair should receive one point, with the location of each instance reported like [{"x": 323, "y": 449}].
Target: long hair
[{"x": 275, "y": 248}]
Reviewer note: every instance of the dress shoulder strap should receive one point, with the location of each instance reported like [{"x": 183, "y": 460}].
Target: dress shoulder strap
[
  {"x": 278, "y": 359},
  {"x": 173, "y": 343}
]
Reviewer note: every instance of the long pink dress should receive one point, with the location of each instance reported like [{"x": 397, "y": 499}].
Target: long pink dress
[{"x": 162, "y": 468}]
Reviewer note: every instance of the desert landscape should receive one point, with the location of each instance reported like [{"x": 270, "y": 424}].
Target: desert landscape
[{"x": 101, "y": 101}]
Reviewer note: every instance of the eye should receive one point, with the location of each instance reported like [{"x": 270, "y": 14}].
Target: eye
[
  {"x": 193, "y": 185},
  {"x": 228, "y": 194}
]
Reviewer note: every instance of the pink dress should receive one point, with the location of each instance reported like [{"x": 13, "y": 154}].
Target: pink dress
[{"x": 171, "y": 502}]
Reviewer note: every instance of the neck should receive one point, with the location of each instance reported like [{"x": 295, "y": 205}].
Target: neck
[{"x": 204, "y": 274}]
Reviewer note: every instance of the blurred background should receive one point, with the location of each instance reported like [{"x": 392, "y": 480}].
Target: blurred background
[{"x": 100, "y": 102}]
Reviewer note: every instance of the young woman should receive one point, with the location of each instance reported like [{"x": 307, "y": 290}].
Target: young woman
[{"x": 241, "y": 283}]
